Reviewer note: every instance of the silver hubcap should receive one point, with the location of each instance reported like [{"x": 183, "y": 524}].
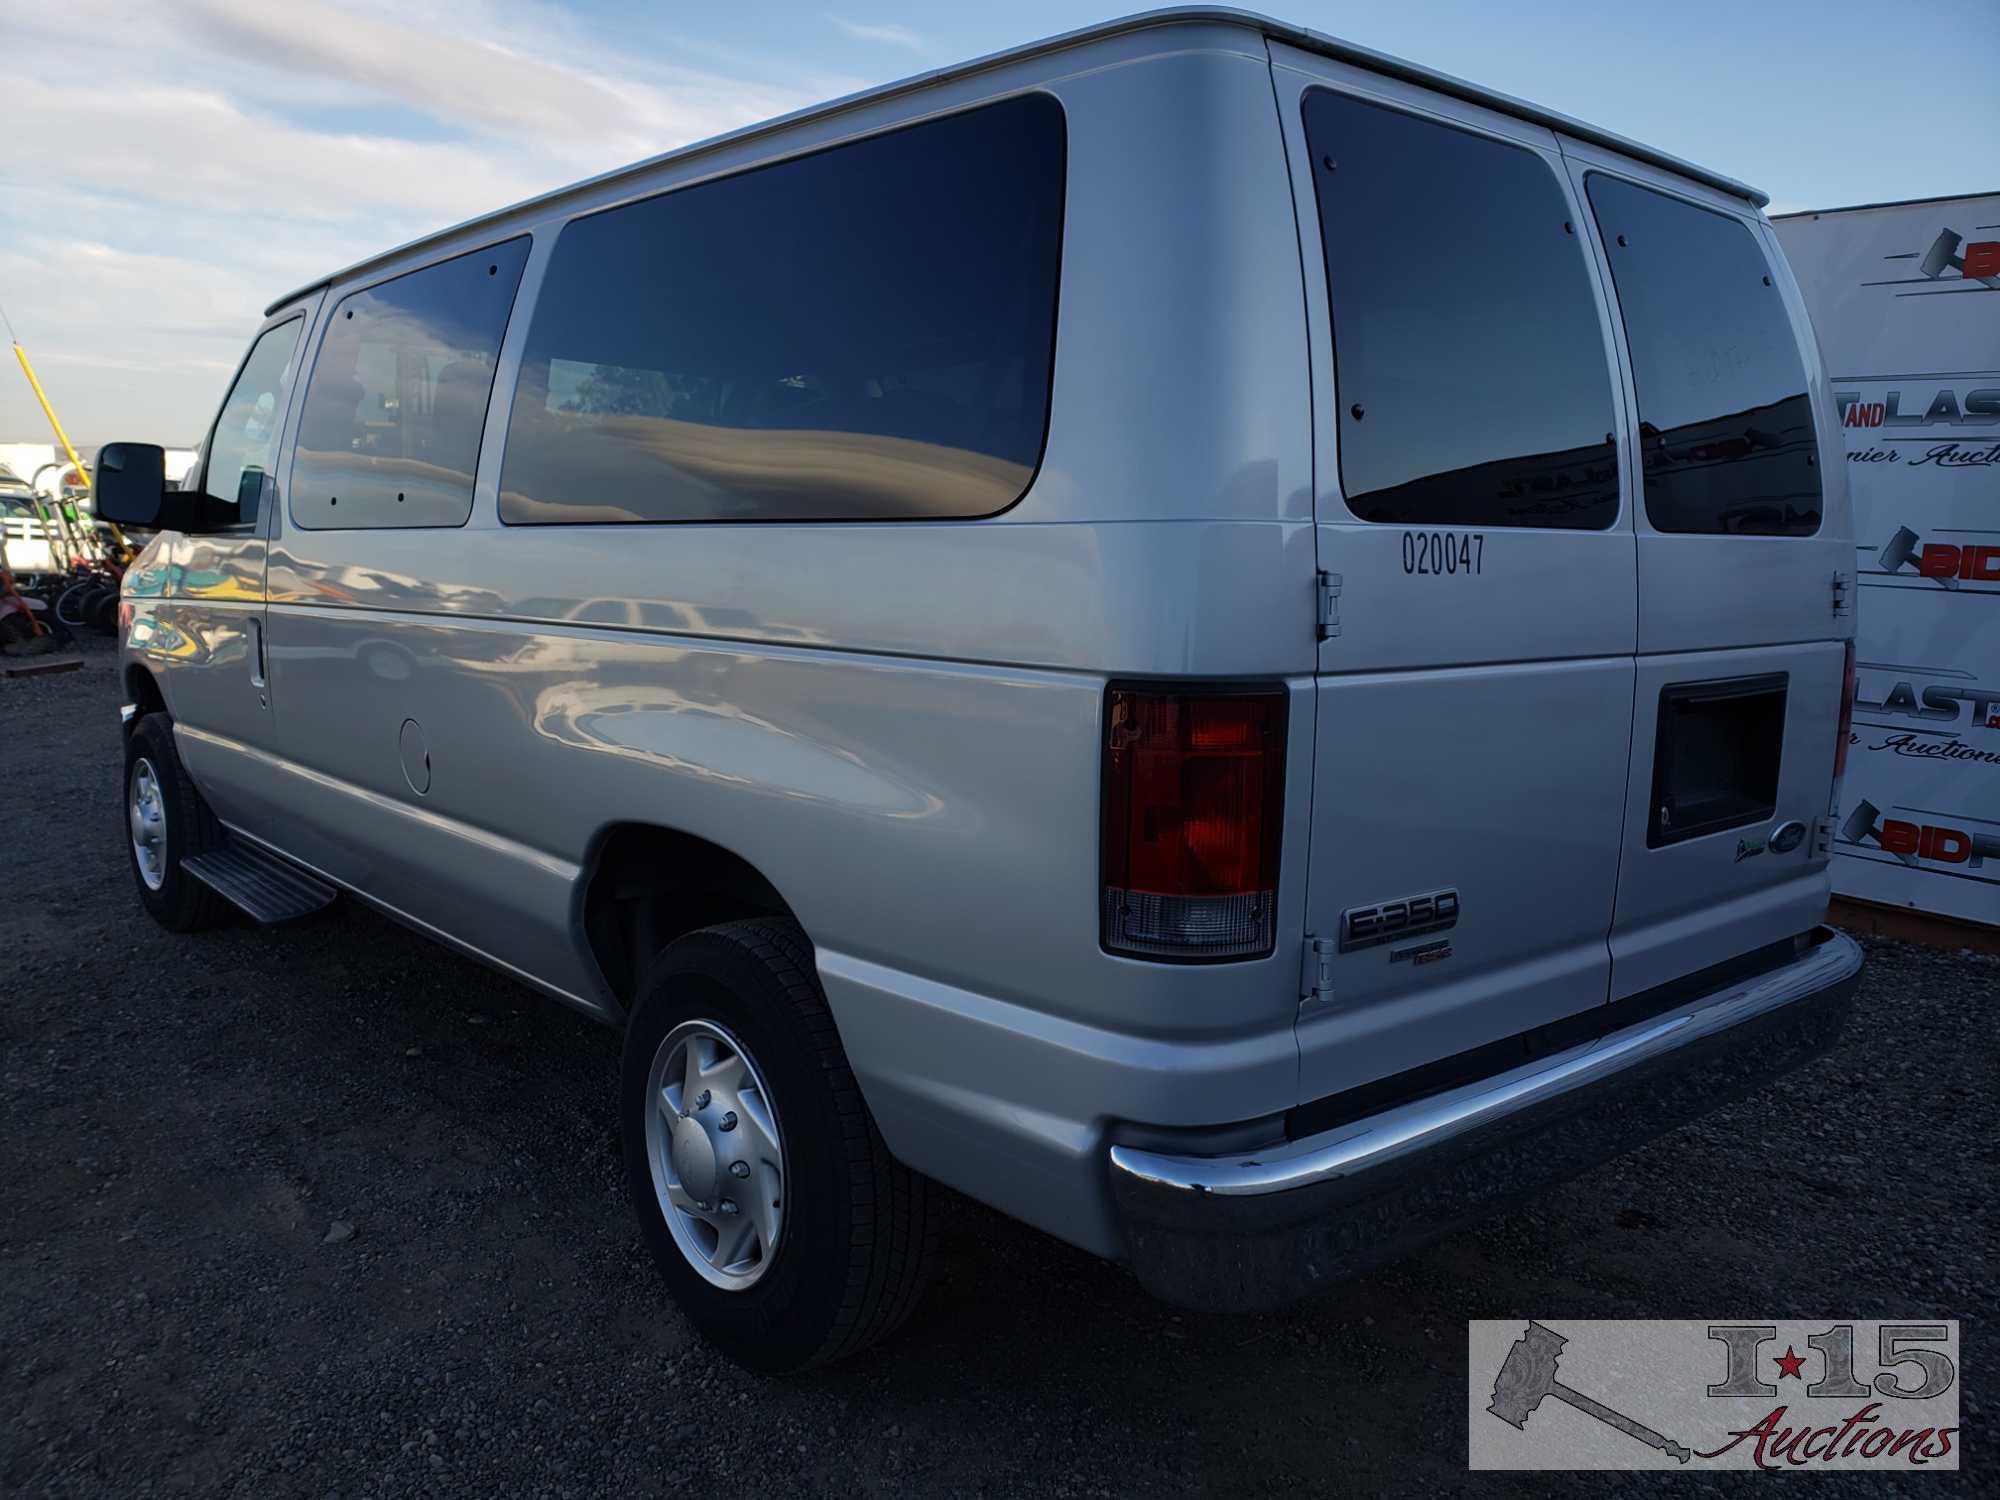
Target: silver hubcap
[
  {"x": 717, "y": 1158},
  {"x": 146, "y": 811}
]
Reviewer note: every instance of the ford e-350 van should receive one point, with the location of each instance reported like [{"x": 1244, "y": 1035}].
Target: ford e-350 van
[{"x": 1233, "y": 647}]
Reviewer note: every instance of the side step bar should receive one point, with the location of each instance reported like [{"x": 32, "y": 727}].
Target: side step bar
[{"x": 267, "y": 887}]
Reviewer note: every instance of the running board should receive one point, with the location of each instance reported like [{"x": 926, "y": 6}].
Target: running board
[{"x": 268, "y": 887}]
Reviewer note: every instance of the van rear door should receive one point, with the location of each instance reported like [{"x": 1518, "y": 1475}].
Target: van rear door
[
  {"x": 1474, "y": 695},
  {"x": 1742, "y": 533}
]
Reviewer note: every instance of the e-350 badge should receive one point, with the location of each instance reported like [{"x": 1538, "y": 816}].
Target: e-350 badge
[{"x": 1387, "y": 921}]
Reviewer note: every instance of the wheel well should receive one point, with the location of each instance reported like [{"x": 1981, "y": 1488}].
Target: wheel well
[
  {"x": 143, "y": 691},
  {"x": 645, "y": 886}
]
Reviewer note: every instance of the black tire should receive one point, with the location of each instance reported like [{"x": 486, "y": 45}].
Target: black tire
[
  {"x": 72, "y": 604},
  {"x": 180, "y": 903},
  {"x": 104, "y": 613},
  {"x": 857, "y": 1238}
]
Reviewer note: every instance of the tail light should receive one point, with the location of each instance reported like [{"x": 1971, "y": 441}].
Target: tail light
[
  {"x": 1847, "y": 690},
  {"x": 1194, "y": 791}
]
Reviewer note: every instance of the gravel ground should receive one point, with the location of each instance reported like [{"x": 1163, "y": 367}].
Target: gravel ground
[{"x": 327, "y": 1210}]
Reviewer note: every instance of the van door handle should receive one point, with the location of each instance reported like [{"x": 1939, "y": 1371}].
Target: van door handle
[{"x": 257, "y": 654}]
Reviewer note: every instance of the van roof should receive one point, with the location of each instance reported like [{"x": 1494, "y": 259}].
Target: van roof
[{"x": 1297, "y": 36}]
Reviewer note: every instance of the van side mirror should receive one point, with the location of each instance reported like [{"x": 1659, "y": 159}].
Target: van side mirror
[
  {"x": 131, "y": 483},
  {"x": 132, "y": 490}
]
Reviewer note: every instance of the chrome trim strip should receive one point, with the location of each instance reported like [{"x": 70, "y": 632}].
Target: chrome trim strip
[{"x": 1412, "y": 1129}]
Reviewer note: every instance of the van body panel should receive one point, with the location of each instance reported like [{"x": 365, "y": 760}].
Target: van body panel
[
  {"x": 1448, "y": 780},
  {"x": 201, "y": 634},
  {"x": 1723, "y": 606},
  {"x": 498, "y": 899},
  {"x": 1475, "y": 722},
  {"x": 1012, "y": 1104},
  {"x": 200, "y": 648},
  {"x": 958, "y": 788},
  {"x": 1192, "y": 599},
  {"x": 1690, "y": 904}
]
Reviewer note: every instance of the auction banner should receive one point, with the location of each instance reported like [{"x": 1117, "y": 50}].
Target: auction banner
[
  {"x": 1846, "y": 1393},
  {"x": 1905, "y": 298}
]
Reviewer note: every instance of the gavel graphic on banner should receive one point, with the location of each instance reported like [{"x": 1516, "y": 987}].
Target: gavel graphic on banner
[{"x": 1529, "y": 1373}]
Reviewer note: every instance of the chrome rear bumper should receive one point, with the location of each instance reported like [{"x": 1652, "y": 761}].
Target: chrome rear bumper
[{"x": 1244, "y": 1232}]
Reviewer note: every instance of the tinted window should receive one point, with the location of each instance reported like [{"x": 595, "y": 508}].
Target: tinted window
[
  {"x": 393, "y": 414},
  {"x": 1469, "y": 360},
  {"x": 245, "y": 439},
  {"x": 865, "y": 333},
  {"x": 1725, "y": 427}
]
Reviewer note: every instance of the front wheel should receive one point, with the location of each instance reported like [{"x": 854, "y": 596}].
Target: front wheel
[
  {"x": 782, "y": 1225},
  {"x": 165, "y": 822}
]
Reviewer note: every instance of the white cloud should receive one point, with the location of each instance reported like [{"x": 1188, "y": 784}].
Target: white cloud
[
  {"x": 197, "y": 148},
  {"x": 226, "y": 151},
  {"x": 886, "y": 32},
  {"x": 529, "y": 84}
]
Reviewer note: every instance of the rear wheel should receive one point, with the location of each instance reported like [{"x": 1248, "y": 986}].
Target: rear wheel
[
  {"x": 782, "y": 1225},
  {"x": 165, "y": 822}
]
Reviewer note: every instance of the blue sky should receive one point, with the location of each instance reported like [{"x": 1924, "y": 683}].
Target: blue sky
[{"x": 167, "y": 170}]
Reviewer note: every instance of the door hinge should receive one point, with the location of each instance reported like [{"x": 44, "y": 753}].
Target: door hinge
[
  {"x": 1841, "y": 583},
  {"x": 1316, "y": 973},
  {"x": 1329, "y": 605},
  {"x": 1823, "y": 837}
]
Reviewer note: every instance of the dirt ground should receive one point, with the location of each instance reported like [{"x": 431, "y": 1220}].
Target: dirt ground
[{"x": 183, "y": 1121}]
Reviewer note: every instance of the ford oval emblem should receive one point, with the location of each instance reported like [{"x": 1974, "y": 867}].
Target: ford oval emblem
[{"x": 1787, "y": 836}]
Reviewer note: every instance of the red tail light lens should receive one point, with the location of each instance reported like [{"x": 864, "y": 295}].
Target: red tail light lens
[
  {"x": 1847, "y": 690},
  {"x": 1194, "y": 792}
]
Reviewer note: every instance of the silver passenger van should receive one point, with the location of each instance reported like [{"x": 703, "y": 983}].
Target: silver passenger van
[{"x": 1231, "y": 646}]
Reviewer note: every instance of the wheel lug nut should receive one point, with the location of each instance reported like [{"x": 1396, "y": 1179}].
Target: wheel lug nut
[
  {"x": 728, "y": 1120},
  {"x": 701, "y": 1100},
  {"x": 739, "y": 1169},
  {"x": 727, "y": 1206}
]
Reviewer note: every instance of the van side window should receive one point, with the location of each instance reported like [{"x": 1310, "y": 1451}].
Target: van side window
[
  {"x": 865, "y": 333},
  {"x": 1470, "y": 367},
  {"x": 1725, "y": 426},
  {"x": 245, "y": 440},
  {"x": 397, "y": 401}
]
